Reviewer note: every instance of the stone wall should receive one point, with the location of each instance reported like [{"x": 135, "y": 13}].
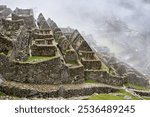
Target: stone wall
[
  {"x": 12, "y": 25},
  {"x": 133, "y": 78},
  {"x": 5, "y": 44},
  {"x": 91, "y": 64},
  {"x": 71, "y": 56},
  {"x": 45, "y": 50},
  {"x": 47, "y": 72},
  {"x": 51, "y": 71},
  {"x": 88, "y": 55},
  {"x": 20, "y": 49},
  {"x": 28, "y": 20},
  {"x": 76, "y": 74},
  {"x": 104, "y": 77},
  {"x": 65, "y": 91}
]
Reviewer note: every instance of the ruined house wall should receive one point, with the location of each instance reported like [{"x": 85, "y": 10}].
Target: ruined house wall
[
  {"x": 28, "y": 20},
  {"x": 76, "y": 74},
  {"x": 91, "y": 64},
  {"x": 71, "y": 56},
  {"x": 46, "y": 50},
  {"x": 12, "y": 25},
  {"x": 20, "y": 49}
]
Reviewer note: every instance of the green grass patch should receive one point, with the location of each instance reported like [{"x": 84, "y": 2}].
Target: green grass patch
[
  {"x": 120, "y": 95},
  {"x": 34, "y": 59},
  {"x": 136, "y": 87},
  {"x": 90, "y": 81}
]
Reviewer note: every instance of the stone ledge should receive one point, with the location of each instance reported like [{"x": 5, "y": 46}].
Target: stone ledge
[{"x": 54, "y": 91}]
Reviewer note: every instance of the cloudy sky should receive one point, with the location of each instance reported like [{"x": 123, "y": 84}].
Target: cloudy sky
[{"x": 82, "y": 14}]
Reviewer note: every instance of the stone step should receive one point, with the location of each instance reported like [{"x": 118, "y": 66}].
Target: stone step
[{"x": 54, "y": 91}]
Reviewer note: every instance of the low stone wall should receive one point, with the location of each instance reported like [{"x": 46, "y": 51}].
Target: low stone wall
[
  {"x": 47, "y": 50},
  {"x": 91, "y": 64},
  {"x": 104, "y": 77},
  {"x": 58, "y": 91}
]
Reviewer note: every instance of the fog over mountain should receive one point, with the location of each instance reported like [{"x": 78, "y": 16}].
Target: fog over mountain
[{"x": 121, "y": 25}]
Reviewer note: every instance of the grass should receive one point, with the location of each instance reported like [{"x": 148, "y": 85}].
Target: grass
[
  {"x": 137, "y": 87},
  {"x": 37, "y": 59},
  {"x": 90, "y": 81},
  {"x": 120, "y": 95}
]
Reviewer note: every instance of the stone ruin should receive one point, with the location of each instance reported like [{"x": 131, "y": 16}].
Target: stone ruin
[{"x": 39, "y": 52}]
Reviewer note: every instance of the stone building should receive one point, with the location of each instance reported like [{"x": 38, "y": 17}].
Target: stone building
[
  {"x": 47, "y": 54},
  {"x": 25, "y": 14}
]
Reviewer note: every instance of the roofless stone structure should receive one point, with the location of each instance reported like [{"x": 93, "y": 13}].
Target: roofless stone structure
[{"x": 39, "y": 52}]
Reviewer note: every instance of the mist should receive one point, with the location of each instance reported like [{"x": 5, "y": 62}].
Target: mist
[{"x": 122, "y": 26}]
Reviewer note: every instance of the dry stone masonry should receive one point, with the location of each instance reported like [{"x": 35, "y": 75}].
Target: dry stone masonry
[{"x": 39, "y": 52}]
